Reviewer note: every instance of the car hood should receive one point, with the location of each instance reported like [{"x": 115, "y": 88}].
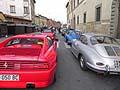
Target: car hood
[
  {"x": 108, "y": 50},
  {"x": 19, "y": 54}
]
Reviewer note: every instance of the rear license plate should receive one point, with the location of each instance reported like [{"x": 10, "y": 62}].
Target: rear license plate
[{"x": 9, "y": 77}]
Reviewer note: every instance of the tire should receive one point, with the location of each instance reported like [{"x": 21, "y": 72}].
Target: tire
[
  {"x": 70, "y": 44},
  {"x": 54, "y": 80},
  {"x": 66, "y": 40},
  {"x": 82, "y": 62}
]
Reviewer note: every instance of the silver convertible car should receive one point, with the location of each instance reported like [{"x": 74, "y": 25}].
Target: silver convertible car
[{"x": 100, "y": 53}]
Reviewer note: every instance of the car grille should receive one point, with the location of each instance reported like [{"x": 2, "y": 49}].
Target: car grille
[
  {"x": 112, "y": 51},
  {"x": 117, "y": 64},
  {"x": 117, "y": 50}
]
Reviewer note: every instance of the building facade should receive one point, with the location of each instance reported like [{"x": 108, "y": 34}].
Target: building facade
[
  {"x": 32, "y": 8},
  {"x": 41, "y": 20},
  {"x": 98, "y": 16},
  {"x": 20, "y": 8},
  {"x": 4, "y": 18}
]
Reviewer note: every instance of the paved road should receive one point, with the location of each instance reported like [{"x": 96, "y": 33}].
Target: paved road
[{"x": 71, "y": 77}]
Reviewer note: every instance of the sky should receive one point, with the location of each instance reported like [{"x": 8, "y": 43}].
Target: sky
[{"x": 53, "y": 9}]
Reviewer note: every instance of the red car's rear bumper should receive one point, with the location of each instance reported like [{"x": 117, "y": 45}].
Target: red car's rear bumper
[{"x": 38, "y": 78}]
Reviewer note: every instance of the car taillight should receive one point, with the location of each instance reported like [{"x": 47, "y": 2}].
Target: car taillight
[
  {"x": 52, "y": 37},
  {"x": 35, "y": 66}
]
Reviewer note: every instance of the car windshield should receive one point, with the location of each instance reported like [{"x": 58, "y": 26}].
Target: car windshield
[
  {"x": 47, "y": 30},
  {"x": 64, "y": 30},
  {"x": 77, "y": 32},
  {"x": 24, "y": 41},
  {"x": 103, "y": 40},
  {"x": 70, "y": 31}
]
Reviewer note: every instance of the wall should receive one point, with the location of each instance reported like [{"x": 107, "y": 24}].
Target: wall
[
  {"x": 89, "y": 6},
  {"x": 19, "y": 5}
]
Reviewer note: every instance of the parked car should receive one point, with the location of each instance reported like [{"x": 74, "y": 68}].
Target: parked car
[
  {"x": 71, "y": 35},
  {"x": 100, "y": 53},
  {"x": 55, "y": 39},
  {"x": 27, "y": 61},
  {"x": 63, "y": 31},
  {"x": 49, "y": 32}
]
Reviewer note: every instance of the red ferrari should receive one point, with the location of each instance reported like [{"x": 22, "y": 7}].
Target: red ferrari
[
  {"x": 49, "y": 32},
  {"x": 27, "y": 61}
]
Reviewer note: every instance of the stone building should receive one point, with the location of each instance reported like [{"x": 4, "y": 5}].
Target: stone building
[
  {"x": 5, "y": 18},
  {"x": 98, "y": 16},
  {"x": 44, "y": 21},
  {"x": 32, "y": 7},
  {"x": 23, "y": 9},
  {"x": 41, "y": 20}
]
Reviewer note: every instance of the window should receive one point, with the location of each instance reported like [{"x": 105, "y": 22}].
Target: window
[
  {"x": 74, "y": 4},
  {"x": 103, "y": 40},
  {"x": 13, "y": 42},
  {"x": 25, "y": 41},
  {"x": 84, "y": 18},
  {"x": 77, "y": 2},
  {"x": 98, "y": 13},
  {"x": 83, "y": 40},
  {"x": 26, "y": 10},
  {"x": 109, "y": 50},
  {"x": 50, "y": 42},
  {"x": 74, "y": 21},
  {"x": 77, "y": 19},
  {"x": 12, "y": 9},
  {"x": 71, "y": 5},
  {"x": 47, "y": 30}
]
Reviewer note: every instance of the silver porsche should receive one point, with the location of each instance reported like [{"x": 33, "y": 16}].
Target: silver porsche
[{"x": 100, "y": 53}]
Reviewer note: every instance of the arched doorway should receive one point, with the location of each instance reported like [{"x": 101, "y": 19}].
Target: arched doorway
[{"x": 2, "y": 18}]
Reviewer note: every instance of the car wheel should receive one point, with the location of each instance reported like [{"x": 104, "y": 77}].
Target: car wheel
[
  {"x": 66, "y": 40},
  {"x": 70, "y": 44},
  {"x": 54, "y": 80},
  {"x": 83, "y": 63}
]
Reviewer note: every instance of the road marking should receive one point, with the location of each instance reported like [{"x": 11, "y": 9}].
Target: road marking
[
  {"x": 58, "y": 44},
  {"x": 66, "y": 45}
]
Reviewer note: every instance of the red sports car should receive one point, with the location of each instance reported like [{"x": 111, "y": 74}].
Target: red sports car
[
  {"x": 49, "y": 32},
  {"x": 27, "y": 61}
]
